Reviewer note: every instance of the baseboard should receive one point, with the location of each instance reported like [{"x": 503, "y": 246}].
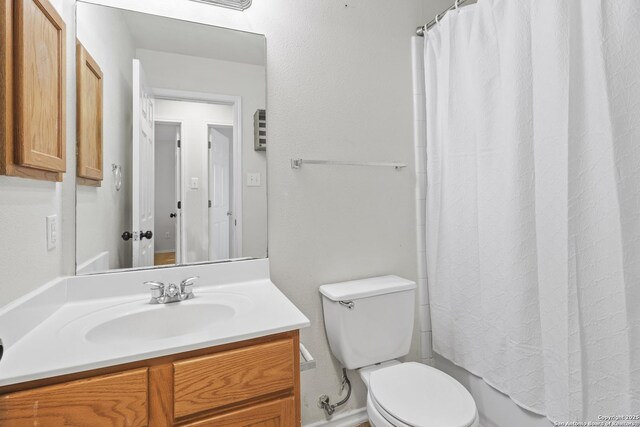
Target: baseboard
[{"x": 347, "y": 419}]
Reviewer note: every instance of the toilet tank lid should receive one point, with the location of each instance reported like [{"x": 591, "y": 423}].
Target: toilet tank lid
[{"x": 364, "y": 288}]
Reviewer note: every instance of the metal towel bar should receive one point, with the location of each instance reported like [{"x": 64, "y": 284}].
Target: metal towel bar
[{"x": 297, "y": 163}]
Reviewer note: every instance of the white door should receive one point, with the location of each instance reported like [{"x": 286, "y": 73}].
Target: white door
[
  {"x": 219, "y": 185},
  {"x": 143, "y": 169}
]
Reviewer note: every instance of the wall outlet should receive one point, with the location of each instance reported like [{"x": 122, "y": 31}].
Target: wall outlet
[
  {"x": 253, "y": 179},
  {"x": 52, "y": 232}
]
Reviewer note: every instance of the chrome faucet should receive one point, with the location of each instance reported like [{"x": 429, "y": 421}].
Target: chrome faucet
[{"x": 165, "y": 293}]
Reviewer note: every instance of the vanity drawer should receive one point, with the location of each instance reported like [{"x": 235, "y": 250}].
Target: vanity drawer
[
  {"x": 277, "y": 413},
  {"x": 233, "y": 376},
  {"x": 109, "y": 400}
]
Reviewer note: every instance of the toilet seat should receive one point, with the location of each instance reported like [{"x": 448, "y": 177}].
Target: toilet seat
[
  {"x": 416, "y": 395},
  {"x": 378, "y": 417}
]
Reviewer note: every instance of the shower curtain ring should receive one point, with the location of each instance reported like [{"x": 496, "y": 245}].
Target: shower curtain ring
[
  {"x": 437, "y": 19},
  {"x": 457, "y": 4}
]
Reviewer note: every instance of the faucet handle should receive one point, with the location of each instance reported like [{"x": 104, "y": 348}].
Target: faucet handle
[
  {"x": 187, "y": 284},
  {"x": 155, "y": 285},
  {"x": 157, "y": 288}
]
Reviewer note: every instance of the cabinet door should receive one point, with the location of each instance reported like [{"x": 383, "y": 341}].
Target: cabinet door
[
  {"x": 39, "y": 86},
  {"x": 109, "y": 400},
  {"x": 89, "y": 117},
  {"x": 278, "y": 413}
]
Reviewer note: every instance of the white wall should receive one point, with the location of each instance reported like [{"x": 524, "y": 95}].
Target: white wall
[
  {"x": 190, "y": 73},
  {"x": 25, "y": 262},
  {"x": 165, "y": 184},
  {"x": 105, "y": 206},
  {"x": 194, "y": 137}
]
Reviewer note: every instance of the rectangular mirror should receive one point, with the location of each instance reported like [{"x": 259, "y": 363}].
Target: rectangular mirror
[{"x": 171, "y": 121}]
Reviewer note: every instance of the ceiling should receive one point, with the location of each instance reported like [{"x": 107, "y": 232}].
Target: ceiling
[{"x": 189, "y": 38}]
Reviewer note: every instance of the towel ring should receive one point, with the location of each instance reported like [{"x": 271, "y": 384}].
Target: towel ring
[{"x": 117, "y": 176}]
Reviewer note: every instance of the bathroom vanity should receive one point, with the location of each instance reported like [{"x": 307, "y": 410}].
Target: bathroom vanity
[
  {"x": 245, "y": 383},
  {"x": 229, "y": 356}
]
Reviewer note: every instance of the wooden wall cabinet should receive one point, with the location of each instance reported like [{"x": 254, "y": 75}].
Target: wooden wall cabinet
[
  {"x": 32, "y": 89},
  {"x": 251, "y": 383},
  {"x": 89, "y": 118}
]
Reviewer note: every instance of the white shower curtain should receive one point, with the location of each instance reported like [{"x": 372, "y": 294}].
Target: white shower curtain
[{"x": 533, "y": 200}]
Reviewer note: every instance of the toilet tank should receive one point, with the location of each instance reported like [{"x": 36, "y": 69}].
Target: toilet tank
[{"x": 369, "y": 321}]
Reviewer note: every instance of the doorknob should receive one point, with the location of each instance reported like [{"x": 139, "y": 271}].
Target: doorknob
[
  {"x": 172, "y": 215},
  {"x": 146, "y": 234},
  {"x": 126, "y": 236},
  {"x": 229, "y": 213}
]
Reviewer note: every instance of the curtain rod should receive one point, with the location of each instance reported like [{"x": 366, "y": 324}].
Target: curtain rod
[{"x": 422, "y": 30}]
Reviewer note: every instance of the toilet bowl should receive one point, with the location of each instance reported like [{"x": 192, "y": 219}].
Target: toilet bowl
[
  {"x": 416, "y": 395},
  {"x": 369, "y": 324}
]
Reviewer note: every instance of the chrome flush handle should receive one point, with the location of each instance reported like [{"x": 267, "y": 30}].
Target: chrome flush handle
[{"x": 348, "y": 304}]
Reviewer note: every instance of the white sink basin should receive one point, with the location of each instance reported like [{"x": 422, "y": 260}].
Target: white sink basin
[
  {"x": 139, "y": 322},
  {"x": 160, "y": 322}
]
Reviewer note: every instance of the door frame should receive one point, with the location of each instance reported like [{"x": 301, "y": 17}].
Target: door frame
[
  {"x": 180, "y": 238},
  {"x": 237, "y": 182}
]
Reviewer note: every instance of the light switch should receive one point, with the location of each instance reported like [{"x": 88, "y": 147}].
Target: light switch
[
  {"x": 52, "y": 232},
  {"x": 253, "y": 179},
  {"x": 194, "y": 183}
]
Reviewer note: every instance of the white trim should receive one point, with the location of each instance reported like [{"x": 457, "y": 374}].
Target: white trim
[
  {"x": 238, "y": 182},
  {"x": 236, "y": 102},
  {"x": 185, "y": 95},
  {"x": 347, "y": 419},
  {"x": 181, "y": 238},
  {"x": 218, "y": 124}
]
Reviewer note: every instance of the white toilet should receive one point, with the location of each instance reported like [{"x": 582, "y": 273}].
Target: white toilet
[{"x": 369, "y": 323}]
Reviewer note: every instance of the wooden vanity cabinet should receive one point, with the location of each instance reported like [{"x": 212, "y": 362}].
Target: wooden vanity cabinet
[
  {"x": 250, "y": 383},
  {"x": 88, "y": 118},
  {"x": 32, "y": 90}
]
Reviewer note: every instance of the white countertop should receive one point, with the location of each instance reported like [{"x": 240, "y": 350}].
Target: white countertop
[{"x": 58, "y": 345}]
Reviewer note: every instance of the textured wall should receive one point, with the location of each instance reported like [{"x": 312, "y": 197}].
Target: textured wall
[{"x": 25, "y": 262}]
